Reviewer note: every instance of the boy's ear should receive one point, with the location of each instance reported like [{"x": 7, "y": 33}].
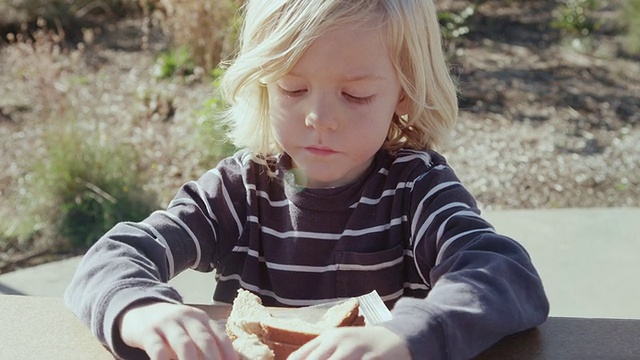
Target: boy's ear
[{"x": 402, "y": 108}]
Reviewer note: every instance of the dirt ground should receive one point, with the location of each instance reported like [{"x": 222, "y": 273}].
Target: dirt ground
[{"x": 542, "y": 124}]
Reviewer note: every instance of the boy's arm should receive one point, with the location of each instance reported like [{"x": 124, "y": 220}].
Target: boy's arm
[
  {"x": 179, "y": 331},
  {"x": 483, "y": 285},
  {"x": 126, "y": 266},
  {"x": 133, "y": 261}
]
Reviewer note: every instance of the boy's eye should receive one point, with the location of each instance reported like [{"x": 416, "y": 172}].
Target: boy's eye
[
  {"x": 291, "y": 93},
  {"x": 358, "y": 100}
]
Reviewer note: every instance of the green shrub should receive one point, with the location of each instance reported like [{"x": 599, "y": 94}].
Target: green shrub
[
  {"x": 174, "y": 62},
  {"x": 85, "y": 186},
  {"x": 575, "y": 17},
  {"x": 211, "y": 134},
  {"x": 631, "y": 20},
  {"x": 455, "y": 24}
]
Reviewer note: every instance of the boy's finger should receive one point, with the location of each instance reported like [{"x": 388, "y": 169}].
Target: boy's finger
[
  {"x": 304, "y": 351},
  {"x": 180, "y": 342},
  {"x": 204, "y": 340},
  {"x": 224, "y": 343},
  {"x": 157, "y": 349}
]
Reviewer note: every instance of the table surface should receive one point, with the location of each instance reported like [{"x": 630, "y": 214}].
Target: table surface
[{"x": 43, "y": 328}]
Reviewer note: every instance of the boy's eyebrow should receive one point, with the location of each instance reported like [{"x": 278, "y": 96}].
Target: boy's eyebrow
[
  {"x": 351, "y": 78},
  {"x": 364, "y": 77}
]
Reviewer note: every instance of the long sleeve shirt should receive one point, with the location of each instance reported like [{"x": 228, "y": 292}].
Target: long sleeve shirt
[{"x": 407, "y": 228}]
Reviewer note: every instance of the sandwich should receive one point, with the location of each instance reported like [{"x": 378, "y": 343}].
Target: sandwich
[{"x": 258, "y": 332}]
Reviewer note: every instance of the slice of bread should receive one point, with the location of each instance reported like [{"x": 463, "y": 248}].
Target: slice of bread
[
  {"x": 298, "y": 332},
  {"x": 250, "y": 347},
  {"x": 244, "y": 327},
  {"x": 283, "y": 330}
]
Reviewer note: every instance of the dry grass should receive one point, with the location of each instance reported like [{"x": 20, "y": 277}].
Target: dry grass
[
  {"x": 87, "y": 126},
  {"x": 201, "y": 26}
]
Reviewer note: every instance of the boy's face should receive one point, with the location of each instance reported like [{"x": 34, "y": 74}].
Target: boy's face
[{"x": 332, "y": 112}]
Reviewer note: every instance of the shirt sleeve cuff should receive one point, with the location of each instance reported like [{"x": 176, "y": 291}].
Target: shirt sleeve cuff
[
  {"x": 122, "y": 298},
  {"x": 420, "y": 327}
]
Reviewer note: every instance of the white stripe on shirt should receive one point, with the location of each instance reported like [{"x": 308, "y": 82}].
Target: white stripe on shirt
[
  {"x": 263, "y": 194},
  {"x": 417, "y": 214},
  {"x": 423, "y": 229},
  {"x": 204, "y": 199},
  {"x": 295, "y": 302},
  {"x": 444, "y": 223},
  {"x": 327, "y": 236},
  {"x": 227, "y": 199},
  {"x": 162, "y": 241},
  {"x": 279, "y": 203},
  {"x": 189, "y": 201},
  {"x": 390, "y": 192},
  {"x": 191, "y": 234},
  {"x": 318, "y": 269},
  {"x": 408, "y": 155},
  {"x": 334, "y": 267},
  {"x": 458, "y": 236},
  {"x": 415, "y": 286},
  {"x": 427, "y": 223}
]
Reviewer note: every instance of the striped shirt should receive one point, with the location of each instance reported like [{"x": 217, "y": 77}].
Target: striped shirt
[{"x": 407, "y": 228}]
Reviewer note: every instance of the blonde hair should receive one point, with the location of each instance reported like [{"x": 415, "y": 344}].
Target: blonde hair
[{"x": 277, "y": 32}]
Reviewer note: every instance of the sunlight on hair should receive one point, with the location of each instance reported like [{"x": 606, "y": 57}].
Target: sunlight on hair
[{"x": 277, "y": 33}]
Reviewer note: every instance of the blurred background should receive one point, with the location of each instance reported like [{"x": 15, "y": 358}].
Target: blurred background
[{"x": 107, "y": 107}]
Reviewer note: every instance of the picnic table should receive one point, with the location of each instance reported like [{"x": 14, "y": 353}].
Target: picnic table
[{"x": 43, "y": 328}]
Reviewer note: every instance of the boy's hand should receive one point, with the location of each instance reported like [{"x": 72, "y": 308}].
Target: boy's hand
[
  {"x": 173, "y": 331},
  {"x": 374, "y": 342}
]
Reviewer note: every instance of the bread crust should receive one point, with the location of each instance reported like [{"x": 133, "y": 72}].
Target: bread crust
[
  {"x": 249, "y": 318},
  {"x": 280, "y": 350},
  {"x": 281, "y": 331},
  {"x": 287, "y": 336}
]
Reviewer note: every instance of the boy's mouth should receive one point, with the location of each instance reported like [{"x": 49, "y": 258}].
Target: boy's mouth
[{"x": 320, "y": 150}]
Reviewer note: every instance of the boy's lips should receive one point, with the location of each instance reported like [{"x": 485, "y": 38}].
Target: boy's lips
[{"x": 320, "y": 150}]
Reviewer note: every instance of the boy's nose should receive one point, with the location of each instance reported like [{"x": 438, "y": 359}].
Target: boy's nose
[{"x": 322, "y": 116}]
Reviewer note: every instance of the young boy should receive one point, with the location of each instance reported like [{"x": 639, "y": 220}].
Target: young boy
[{"x": 338, "y": 106}]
